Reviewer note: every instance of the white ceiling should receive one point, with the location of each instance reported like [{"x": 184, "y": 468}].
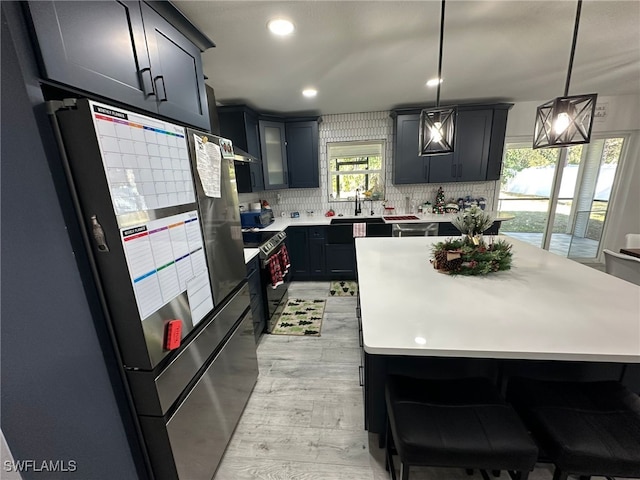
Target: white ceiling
[{"x": 366, "y": 56}]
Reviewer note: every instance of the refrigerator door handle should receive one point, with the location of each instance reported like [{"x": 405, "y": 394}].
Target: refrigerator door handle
[
  {"x": 164, "y": 88},
  {"x": 99, "y": 237}
]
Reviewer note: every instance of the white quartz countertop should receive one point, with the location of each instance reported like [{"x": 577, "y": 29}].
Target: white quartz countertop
[
  {"x": 280, "y": 223},
  {"x": 249, "y": 253},
  {"x": 545, "y": 307}
]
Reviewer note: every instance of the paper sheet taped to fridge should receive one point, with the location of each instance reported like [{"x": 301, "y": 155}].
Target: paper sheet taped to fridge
[
  {"x": 166, "y": 258},
  {"x": 208, "y": 162}
]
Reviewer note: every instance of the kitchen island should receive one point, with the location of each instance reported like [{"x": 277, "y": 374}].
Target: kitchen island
[{"x": 546, "y": 316}]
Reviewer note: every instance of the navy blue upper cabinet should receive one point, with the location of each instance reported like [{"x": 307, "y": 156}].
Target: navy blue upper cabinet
[
  {"x": 274, "y": 154},
  {"x": 289, "y": 152},
  {"x": 302, "y": 153},
  {"x": 468, "y": 163},
  {"x": 176, "y": 68},
  {"x": 287, "y": 146},
  {"x": 480, "y": 134},
  {"x": 240, "y": 124},
  {"x": 408, "y": 166},
  {"x": 123, "y": 51}
]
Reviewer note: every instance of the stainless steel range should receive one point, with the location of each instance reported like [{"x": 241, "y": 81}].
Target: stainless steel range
[{"x": 269, "y": 243}]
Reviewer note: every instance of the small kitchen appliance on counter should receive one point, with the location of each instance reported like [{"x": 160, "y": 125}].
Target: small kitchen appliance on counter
[{"x": 256, "y": 218}]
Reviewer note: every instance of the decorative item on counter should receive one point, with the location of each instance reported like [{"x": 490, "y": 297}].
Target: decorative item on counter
[
  {"x": 266, "y": 205},
  {"x": 451, "y": 208},
  {"x": 330, "y": 213},
  {"x": 309, "y": 213},
  {"x": 482, "y": 202},
  {"x": 459, "y": 257},
  {"x": 427, "y": 208},
  {"x": 439, "y": 207},
  {"x": 472, "y": 222},
  {"x": 295, "y": 214}
]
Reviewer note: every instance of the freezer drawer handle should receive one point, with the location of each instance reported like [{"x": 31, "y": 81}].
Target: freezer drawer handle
[{"x": 98, "y": 235}]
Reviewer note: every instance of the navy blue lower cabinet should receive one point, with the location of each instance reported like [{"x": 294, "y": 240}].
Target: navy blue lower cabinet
[
  {"x": 341, "y": 261},
  {"x": 297, "y": 244}
]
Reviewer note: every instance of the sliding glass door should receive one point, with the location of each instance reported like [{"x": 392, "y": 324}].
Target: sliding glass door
[{"x": 559, "y": 197}]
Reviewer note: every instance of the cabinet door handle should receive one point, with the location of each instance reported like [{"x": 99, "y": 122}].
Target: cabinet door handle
[
  {"x": 144, "y": 84},
  {"x": 361, "y": 376},
  {"x": 453, "y": 170},
  {"x": 253, "y": 179},
  {"x": 164, "y": 88}
]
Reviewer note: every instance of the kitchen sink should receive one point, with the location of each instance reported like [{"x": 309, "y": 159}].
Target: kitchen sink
[{"x": 338, "y": 221}]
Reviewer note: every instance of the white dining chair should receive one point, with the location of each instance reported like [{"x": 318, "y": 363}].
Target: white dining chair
[
  {"x": 632, "y": 240},
  {"x": 622, "y": 266}
]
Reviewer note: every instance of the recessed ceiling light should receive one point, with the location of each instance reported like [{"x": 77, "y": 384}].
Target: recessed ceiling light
[
  {"x": 280, "y": 26},
  {"x": 309, "y": 92},
  {"x": 433, "y": 82},
  {"x": 420, "y": 340}
]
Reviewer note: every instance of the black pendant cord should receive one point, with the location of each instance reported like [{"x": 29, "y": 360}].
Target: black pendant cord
[
  {"x": 440, "y": 55},
  {"x": 573, "y": 47}
]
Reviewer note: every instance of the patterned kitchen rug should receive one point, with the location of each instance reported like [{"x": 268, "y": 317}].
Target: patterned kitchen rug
[
  {"x": 343, "y": 288},
  {"x": 300, "y": 317}
]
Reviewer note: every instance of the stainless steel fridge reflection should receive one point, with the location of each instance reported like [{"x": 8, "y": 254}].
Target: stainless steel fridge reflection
[{"x": 159, "y": 208}]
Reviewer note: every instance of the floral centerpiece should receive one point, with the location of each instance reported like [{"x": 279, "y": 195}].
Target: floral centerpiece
[
  {"x": 469, "y": 254},
  {"x": 472, "y": 222}
]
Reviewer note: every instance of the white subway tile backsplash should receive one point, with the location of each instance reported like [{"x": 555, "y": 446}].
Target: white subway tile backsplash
[{"x": 363, "y": 126}]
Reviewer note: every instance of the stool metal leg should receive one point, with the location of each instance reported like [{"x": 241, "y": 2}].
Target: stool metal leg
[
  {"x": 404, "y": 471},
  {"x": 560, "y": 475},
  {"x": 389, "y": 453}
]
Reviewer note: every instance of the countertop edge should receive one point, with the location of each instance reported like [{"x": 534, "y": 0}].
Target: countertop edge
[
  {"x": 574, "y": 357},
  {"x": 281, "y": 223}
]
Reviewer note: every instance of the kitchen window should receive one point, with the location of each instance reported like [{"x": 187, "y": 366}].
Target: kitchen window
[{"x": 356, "y": 168}]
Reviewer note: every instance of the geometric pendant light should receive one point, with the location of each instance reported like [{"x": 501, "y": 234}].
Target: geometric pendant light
[
  {"x": 567, "y": 120},
  {"x": 437, "y": 125}
]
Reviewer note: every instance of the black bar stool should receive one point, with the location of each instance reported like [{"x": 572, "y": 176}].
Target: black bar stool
[
  {"x": 586, "y": 428},
  {"x": 460, "y": 423}
]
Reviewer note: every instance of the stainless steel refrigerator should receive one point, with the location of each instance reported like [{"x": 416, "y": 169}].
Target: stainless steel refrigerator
[{"x": 159, "y": 210}]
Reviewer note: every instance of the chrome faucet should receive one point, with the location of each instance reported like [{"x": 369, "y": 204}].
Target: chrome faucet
[{"x": 358, "y": 207}]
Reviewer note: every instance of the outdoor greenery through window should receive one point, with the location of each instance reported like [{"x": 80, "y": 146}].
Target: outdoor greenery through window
[
  {"x": 356, "y": 167},
  {"x": 579, "y": 205}
]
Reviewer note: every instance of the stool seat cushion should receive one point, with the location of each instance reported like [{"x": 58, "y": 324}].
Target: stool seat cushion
[
  {"x": 457, "y": 423},
  {"x": 585, "y": 427}
]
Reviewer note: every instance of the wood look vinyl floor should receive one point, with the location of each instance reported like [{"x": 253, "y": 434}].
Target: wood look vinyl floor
[{"x": 304, "y": 420}]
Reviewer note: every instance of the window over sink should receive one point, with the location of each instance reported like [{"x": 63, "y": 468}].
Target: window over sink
[{"x": 356, "y": 168}]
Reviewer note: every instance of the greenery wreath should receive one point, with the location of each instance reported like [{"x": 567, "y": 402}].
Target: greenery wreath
[{"x": 463, "y": 257}]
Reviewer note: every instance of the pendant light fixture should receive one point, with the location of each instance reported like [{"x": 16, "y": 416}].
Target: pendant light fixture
[
  {"x": 437, "y": 125},
  {"x": 567, "y": 120}
]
